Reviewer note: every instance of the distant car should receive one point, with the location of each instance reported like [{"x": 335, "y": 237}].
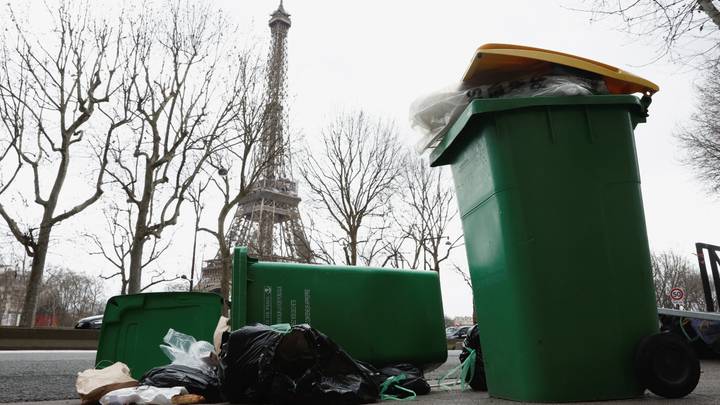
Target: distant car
[
  {"x": 91, "y": 322},
  {"x": 456, "y": 335}
]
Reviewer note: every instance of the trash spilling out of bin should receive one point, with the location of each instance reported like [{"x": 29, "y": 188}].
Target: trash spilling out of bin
[
  {"x": 400, "y": 381},
  {"x": 199, "y": 381},
  {"x": 473, "y": 352},
  {"x": 511, "y": 71},
  {"x": 144, "y": 395},
  {"x": 432, "y": 115},
  {"x": 548, "y": 190},
  {"x": 194, "y": 367},
  {"x": 260, "y": 364},
  {"x": 134, "y": 326}
]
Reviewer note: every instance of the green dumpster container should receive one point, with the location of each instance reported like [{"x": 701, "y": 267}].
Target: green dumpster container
[
  {"x": 549, "y": 193},
  {"x": 134, "y": 326},
  {"x": 378, "y": 315}
]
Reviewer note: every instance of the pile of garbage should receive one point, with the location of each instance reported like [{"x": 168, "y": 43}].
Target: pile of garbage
[{"x": 279, "y": 364}]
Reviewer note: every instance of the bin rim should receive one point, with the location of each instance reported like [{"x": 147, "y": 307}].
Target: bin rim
[
  {"x": 493, "y": 57},
  {"x": 441, "y": 154},
  {"x": 110, "y": 315},
  {"x": 238, "y": 295}
]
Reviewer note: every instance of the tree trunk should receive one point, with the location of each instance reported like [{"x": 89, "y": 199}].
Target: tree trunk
[
  {"x": 138, "y": 244},
  {"x": 27, "y": 318},
  {"x": 225, "y": 278},
  {"x": 225, "y": 257},
  {"x": 136, "y": 254},
  {"x": 709, "y": 8},
  {"x": 353, "y": 247}
]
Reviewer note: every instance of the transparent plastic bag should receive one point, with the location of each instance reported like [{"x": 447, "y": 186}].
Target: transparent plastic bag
[
  {"x": 184, "y": 350},
  {"x": 433, "y": 114}
]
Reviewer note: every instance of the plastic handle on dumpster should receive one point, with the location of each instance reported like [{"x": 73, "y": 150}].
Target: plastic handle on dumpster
[{"x": 493, "y": 62}]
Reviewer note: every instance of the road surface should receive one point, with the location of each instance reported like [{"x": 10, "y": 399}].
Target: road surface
[
  {"x": 50, "y": 375},
  {"x": 32, "y": 376},
  {"x": 41, "y": 375}
]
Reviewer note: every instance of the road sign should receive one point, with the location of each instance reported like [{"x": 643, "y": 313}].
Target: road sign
[{"x": 677, "y": 294}]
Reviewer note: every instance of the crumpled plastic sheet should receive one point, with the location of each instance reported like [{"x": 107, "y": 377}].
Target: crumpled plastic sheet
[
  {"x": 193, "y": 366},
  {"x": 185, "y": 350},
  {"x": 142, "y": 395},
  {"x": 433, "y": 114}
]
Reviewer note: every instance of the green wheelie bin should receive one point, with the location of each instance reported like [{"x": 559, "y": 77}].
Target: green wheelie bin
[
  {"x": 378, "y": 315},
  {"x": 549, "y": 193}
]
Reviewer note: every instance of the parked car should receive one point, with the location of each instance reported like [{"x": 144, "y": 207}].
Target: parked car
[
  {"x": 91, "y": 322},
  {"x": 456, "y": 335}
]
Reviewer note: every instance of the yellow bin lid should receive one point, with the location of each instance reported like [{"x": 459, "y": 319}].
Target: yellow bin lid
[{"x": 499, "y": 62}]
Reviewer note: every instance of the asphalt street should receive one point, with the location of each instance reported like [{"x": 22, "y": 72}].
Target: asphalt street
[
  {"x": 41, "y": 375},
  {"x": 27, "y": 376},
  {"x": 36, "y": 376}
]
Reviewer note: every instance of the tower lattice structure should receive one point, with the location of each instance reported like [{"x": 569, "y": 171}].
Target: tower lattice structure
[{"x": 267, "y": 221}]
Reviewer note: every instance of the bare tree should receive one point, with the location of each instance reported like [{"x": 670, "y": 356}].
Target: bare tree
[
  {"x": 116, "y": 251},
  {"x": 701, "y": 138},
  {"x": 184, "y": 103},
  {"x": 672, "y": 270},
  {"x": 235, "y": 169},
  {"x": 196, "y": 197},
  {"x": 352, "y": 178},
  {"x": 68, "y": 296},
  {"x": 53, "y": 91},
  {"x": 677, "y": 25},
  {"x": 427, "y": 212}
]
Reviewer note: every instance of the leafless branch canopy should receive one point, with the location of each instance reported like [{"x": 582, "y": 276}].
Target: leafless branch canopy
[
  {"x": 701, "y": 138},
  {"x": 671, "y": 270},
  {"x": 54, "y": 93},
  {"x": 353, "y": 177},
  {"x": 687, "y": 30},
  {"x": 188, "y": 91}
]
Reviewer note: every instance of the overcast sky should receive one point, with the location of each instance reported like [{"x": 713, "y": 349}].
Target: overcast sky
[{"x": 381, "y": 55}]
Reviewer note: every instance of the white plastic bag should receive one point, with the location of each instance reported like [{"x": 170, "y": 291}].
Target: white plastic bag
[
  {"x": 222, "y": 326},
  {"x": 185, "y": 350},
  {"x": 142, "y": 395}
]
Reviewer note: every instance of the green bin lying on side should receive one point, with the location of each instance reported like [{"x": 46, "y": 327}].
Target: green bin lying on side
[
  {"x": 378, "y": 315},
  {"x": 134, "y": 326},
  {"x": 549, "y": 193}
]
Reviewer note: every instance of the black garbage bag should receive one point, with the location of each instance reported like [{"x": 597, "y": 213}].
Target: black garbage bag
[
  {"x": 398, "y": 379},
  {"x": 471, "y": 348},
  {"x": 201, "y": 381},
  {"x": 302, "y": 366}
]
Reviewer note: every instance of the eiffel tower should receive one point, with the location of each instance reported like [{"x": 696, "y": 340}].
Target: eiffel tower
[{"x": 267, "y": 221}]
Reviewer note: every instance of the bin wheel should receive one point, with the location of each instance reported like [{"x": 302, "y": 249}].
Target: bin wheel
[{"x": 666, "y": 365}]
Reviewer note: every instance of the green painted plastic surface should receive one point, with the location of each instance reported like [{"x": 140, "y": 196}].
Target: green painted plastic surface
[
  {"x": 377, "y": 315},
  {"x": 134, "y": 326},
  {"x": 549, "y": 193}
]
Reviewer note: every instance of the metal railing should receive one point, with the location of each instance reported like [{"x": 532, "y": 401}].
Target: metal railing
[{"x": 712, "y": 254}]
